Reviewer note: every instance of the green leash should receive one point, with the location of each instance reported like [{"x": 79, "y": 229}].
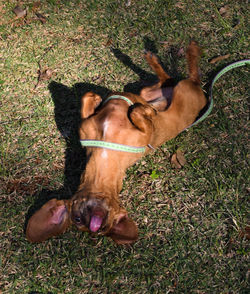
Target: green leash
[
  {"x": 218, "y": 75},
  {"x": 119, "y": 97}
]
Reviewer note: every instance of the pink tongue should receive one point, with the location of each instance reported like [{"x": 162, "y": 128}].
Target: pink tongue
[{"x": 95, "y": 223}]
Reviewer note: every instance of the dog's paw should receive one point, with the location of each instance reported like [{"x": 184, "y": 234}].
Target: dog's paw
[
  {"x": 150, "y": 57},
  {"x": 141, "y": 116}
]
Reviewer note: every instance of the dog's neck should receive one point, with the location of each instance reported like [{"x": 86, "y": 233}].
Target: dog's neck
[{"x": 102, "y": 180}]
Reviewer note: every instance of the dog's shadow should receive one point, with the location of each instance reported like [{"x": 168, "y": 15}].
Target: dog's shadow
[
  {"x": 146, "y": 78},
  {"x": 67, "y": 117}
]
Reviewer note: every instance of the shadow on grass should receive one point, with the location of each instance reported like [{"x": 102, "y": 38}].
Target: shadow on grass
[
  {"x": 67, "y": 117},
  {"x": 146, "y": 78}
]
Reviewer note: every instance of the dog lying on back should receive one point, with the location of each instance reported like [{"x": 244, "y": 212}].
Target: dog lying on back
[{"x": 117, "y": 133}]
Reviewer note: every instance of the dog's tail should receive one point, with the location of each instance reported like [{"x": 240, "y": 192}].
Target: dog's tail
[{"x": 193, "y": 56}]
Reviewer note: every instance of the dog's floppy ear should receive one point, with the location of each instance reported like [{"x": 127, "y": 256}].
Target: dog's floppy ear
[
  {"x": 52, "y": 219},
  {"x": 89, "y": 103},
  {"x": 124, "y": 230},
  {"x": 141, "y": 117}
]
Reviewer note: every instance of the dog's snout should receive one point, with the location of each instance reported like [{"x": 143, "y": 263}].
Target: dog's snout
[{"x": 90, "y": 213}]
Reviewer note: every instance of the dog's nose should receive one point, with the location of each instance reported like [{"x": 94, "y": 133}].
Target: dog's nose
[{"x": 77, "y": 219}]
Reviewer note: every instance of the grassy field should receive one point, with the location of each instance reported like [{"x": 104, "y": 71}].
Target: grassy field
[{"x": 192, "y": 221}]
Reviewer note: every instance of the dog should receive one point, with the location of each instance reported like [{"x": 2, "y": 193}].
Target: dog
[{"x": 116, "y": 133}]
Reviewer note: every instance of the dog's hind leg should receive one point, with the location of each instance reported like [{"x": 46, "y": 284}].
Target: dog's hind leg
[
  {"x": 157, "y": 94},
  {"x": 154, "y": 63},
  {"x": 193, "y": 55}
]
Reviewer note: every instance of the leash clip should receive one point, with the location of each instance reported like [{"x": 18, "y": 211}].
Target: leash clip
[{"x": 151, "y": 147}]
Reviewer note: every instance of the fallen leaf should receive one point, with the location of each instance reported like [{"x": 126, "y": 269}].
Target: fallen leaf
[
  {"x": 180, "y": 5},
  {"x": 174, "y": 161},
  {"x": 180, "y": 52},
  {"x": 109, "y": 42},
  {"x": 45, "y": 74},
  {"x": 36, "y": 5},
  {"x": 223, "y": 11},
  {"x": 245, "y": 233},
  {"x": 20, "y": 12},
  {"x": 180, "y": 157},
  {"x": 219, "y": 58}
]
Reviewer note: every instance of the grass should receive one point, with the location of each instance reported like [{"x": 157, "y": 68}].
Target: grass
[{"x": 190, "y": 220}]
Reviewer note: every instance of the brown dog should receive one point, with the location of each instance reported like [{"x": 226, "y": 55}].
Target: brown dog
[{"x": 134, "y": 122}]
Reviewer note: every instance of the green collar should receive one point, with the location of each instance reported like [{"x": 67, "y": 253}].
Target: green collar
[
  {"x": 119, "y": 97},
  {"x": 112, "y": 146}
]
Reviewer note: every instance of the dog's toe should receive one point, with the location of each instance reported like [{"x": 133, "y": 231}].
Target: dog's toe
[{"x": 148, "y": 54}]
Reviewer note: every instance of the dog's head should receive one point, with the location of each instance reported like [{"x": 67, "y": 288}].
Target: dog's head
[
  {"x": 98, "y": 215},
  {"x": 96, "y": 207}
]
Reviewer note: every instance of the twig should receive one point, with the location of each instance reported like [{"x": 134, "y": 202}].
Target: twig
[{"x": 40, "y": 73}]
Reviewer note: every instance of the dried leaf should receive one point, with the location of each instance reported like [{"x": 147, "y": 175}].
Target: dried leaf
[
  {"x": 45, "y": 74},
  {"x": 109, "y": 42},
  {"x": 219, "y": 58},
  {"x": 180, "y": 157},
  {"x": 180, "y": 52},
  {"x": 245, "y": 233},
  {"x": 174, "y": 161},
  {"x": 223, "y": 11},
  {"x": 36, "y": 5},
  {"x": 180, "y": 4},
  {"x": 41, "y": 17},
  {"x": 20, "y": 12}
]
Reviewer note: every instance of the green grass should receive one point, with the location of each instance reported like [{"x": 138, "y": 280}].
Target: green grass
[{"x": 190, "y": 220}]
